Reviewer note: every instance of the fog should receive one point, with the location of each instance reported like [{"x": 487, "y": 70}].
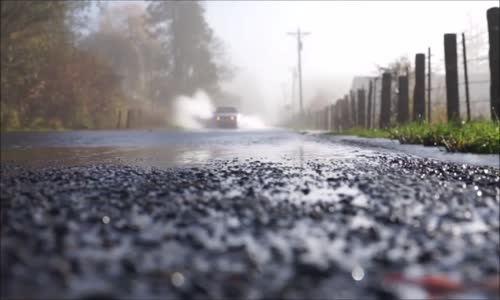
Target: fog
[
  {"x": 348, "y": 39},
  {"x": 129, "y": 64}
]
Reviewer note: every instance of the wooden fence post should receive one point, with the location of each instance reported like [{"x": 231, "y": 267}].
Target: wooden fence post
[
  {"x": 332, "y": 117},
  {"x": 493, "y": 15},
  {"x": 327, "y": 117},
  {"x": 340, "y": 111},
  {"x": 338, "y": 106},
  {"x": 374, "y": 104},
  {"x": 402, "y": 99},
  {"x": 361, "y": 108},
  {"x": 354, "y": 120},
  {"x": 450, "y": 60},
  {"x": 345, "y": 113},
  {"x": 419, "y": 91},
  {"x": 385, "y": 105},
  {"x": 369, "y": 111},
  {"x": 326, "y": 113}
]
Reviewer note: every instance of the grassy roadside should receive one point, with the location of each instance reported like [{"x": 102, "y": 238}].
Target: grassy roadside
[
  {"x": 368, "y": 133},
  {"x": 474, "y": 137}
]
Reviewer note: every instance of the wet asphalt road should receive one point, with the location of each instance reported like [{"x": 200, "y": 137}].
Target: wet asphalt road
[{"x": 241, "y": 214}]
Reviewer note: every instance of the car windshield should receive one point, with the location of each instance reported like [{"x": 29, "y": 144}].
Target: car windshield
[{"x": 226, "y": 110}]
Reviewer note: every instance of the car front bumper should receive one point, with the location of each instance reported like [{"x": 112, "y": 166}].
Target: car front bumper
[{"x": 226, "y": 123}]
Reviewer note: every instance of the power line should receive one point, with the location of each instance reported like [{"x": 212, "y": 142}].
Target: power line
[
  {"x": 476, "y": 82},
  {"x": 478, "y": 59},
  {"x": 461, "y": 83},
  {"x": 479, "y": 34}
]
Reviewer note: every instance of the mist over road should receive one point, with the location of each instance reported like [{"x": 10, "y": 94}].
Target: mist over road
[{"x": 240, "y": 214}]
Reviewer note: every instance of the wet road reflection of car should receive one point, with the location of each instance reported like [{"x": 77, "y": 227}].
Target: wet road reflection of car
[{"x": 226, "y": 117}]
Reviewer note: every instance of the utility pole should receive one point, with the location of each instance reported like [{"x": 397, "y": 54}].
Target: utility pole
[
  {"x": 466, "y": 77},
  {"x": 429, "y": 85},
  {"x": 299, "y": 34}
]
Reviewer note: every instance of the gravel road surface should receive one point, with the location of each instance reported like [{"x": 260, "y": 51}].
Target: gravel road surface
[{"x": 254, "y": 215}]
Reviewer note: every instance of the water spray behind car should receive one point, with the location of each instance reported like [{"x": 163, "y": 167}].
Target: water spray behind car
[
  {"x": 191, "y": 111},
  {"x": 251, "y": 122},
  {"x": 198, "y": 112}
]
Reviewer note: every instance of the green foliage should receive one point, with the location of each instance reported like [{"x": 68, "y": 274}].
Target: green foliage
[
  {"x": 53, "y": 78},
  {"x": 37, "y": 51}
]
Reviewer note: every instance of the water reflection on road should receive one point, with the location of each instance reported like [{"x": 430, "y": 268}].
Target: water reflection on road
[
  {"x": 162, "y": 149},
  {"x": 290, "y": 152}
]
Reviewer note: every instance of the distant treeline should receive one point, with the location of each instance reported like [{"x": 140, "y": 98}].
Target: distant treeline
[{"x": 58, "y": 71}]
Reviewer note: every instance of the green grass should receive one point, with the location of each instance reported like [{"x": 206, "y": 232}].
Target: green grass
[{"x": 474, "y": 137}]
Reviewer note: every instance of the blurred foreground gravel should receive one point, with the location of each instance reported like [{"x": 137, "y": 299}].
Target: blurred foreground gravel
[{"x": 331, "y": 229}]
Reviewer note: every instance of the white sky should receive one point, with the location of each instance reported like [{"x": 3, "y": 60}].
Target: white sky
[{"x": 347, "y": 38}]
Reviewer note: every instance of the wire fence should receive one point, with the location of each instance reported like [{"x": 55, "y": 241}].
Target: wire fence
[
  {"x": 478, "y": 93},
  {"x": 477, "y": 59}
]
